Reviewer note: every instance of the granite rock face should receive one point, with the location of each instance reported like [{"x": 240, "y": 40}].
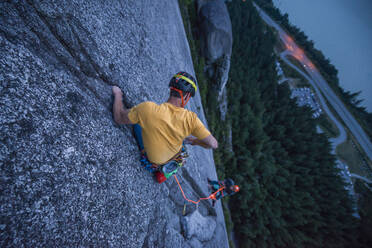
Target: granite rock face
[
  {"x": 199, "y": 226},
  {"x": 69, "y": 175},
  {"x": 216, "y": 40}
]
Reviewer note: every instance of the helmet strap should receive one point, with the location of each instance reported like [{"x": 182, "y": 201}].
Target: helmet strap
[{"x": 187, "y": 96}]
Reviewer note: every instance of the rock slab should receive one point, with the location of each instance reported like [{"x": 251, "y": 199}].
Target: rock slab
[
  {"x": 199, "y": 226},
  {"x": 69, "y": 176}
]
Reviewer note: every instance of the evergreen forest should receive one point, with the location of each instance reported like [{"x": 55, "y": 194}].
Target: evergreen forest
[{"x": 292, "y": 194}]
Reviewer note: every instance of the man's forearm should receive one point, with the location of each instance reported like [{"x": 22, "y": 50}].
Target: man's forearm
[
  {"x": 201, "y": 143},
  {"x": 209, "y": 142}
]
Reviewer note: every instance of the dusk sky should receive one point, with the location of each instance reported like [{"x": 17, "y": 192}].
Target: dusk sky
[{"x": 342, "y": 30}]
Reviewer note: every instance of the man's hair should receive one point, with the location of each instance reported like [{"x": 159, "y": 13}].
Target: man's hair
[{"x": 175, "y": 93}]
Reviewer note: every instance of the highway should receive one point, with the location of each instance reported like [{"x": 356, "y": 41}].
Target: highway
[
  {"x": 342, "y": 136},
  {"x": 361, "y": 178},
  {"x": 320, "y": 85}
]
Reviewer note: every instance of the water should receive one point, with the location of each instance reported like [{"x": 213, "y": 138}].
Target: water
[{"x": 342, "y": 30}]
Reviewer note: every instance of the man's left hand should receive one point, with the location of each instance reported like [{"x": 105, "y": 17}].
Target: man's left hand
[{"x": 116, "y": 90}]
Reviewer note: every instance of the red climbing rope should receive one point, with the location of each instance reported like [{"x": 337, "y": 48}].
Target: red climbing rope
[{"x": 211, "y": 196}]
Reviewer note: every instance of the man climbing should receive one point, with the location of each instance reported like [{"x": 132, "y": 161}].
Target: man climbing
[
  {"x": 222, "y": 188},
  {"x": 161, "y": 129}
]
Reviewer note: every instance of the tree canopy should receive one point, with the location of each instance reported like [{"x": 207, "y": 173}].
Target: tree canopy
[{"x": 291, "y": 192}]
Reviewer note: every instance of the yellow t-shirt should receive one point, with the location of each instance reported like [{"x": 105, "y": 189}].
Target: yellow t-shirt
[{"x": 164, "y": 127}]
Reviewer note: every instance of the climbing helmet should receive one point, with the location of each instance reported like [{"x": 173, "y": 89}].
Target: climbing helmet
[
  {"x": 184, "y": 82},
  {"x": 235, "y": 188}
]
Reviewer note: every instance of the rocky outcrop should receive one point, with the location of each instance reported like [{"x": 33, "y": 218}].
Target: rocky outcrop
[
  {"x": 199, "y": 226},
  {"x": 69, "y": 175},
  {"x": 216, "y": 40}
]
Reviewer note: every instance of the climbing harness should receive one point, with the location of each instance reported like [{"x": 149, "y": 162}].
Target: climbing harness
[
  {"x": 210, "y": 197},
  {"x": 170, "y": 168},
  {"x": 163, "y": 172}
]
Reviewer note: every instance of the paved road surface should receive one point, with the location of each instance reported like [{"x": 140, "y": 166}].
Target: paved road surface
[
  {"x": 321, "y": 85},
  {"x": 361, "y": 178}
]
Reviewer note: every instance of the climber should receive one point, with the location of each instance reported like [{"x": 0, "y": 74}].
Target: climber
[
  {"x": 222, "y": 188},
  {"x": 160, "y": 130}
]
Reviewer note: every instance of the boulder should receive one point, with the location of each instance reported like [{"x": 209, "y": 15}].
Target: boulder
[
  {"x": 173, "y": 239},
  {"x": 195, "y": 243},
  {"x": 216, "y": 31},
  {"x": 196, "y": 225},
  {"x": 216, "y": 39}
]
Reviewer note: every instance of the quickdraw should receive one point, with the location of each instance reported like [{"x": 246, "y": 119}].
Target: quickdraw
[
  {"x": 169, "y": 168},
  {"x": 165, "y": 171}
]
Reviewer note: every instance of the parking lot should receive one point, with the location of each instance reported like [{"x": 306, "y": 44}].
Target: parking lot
[{"x": 305, "y": 97}]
